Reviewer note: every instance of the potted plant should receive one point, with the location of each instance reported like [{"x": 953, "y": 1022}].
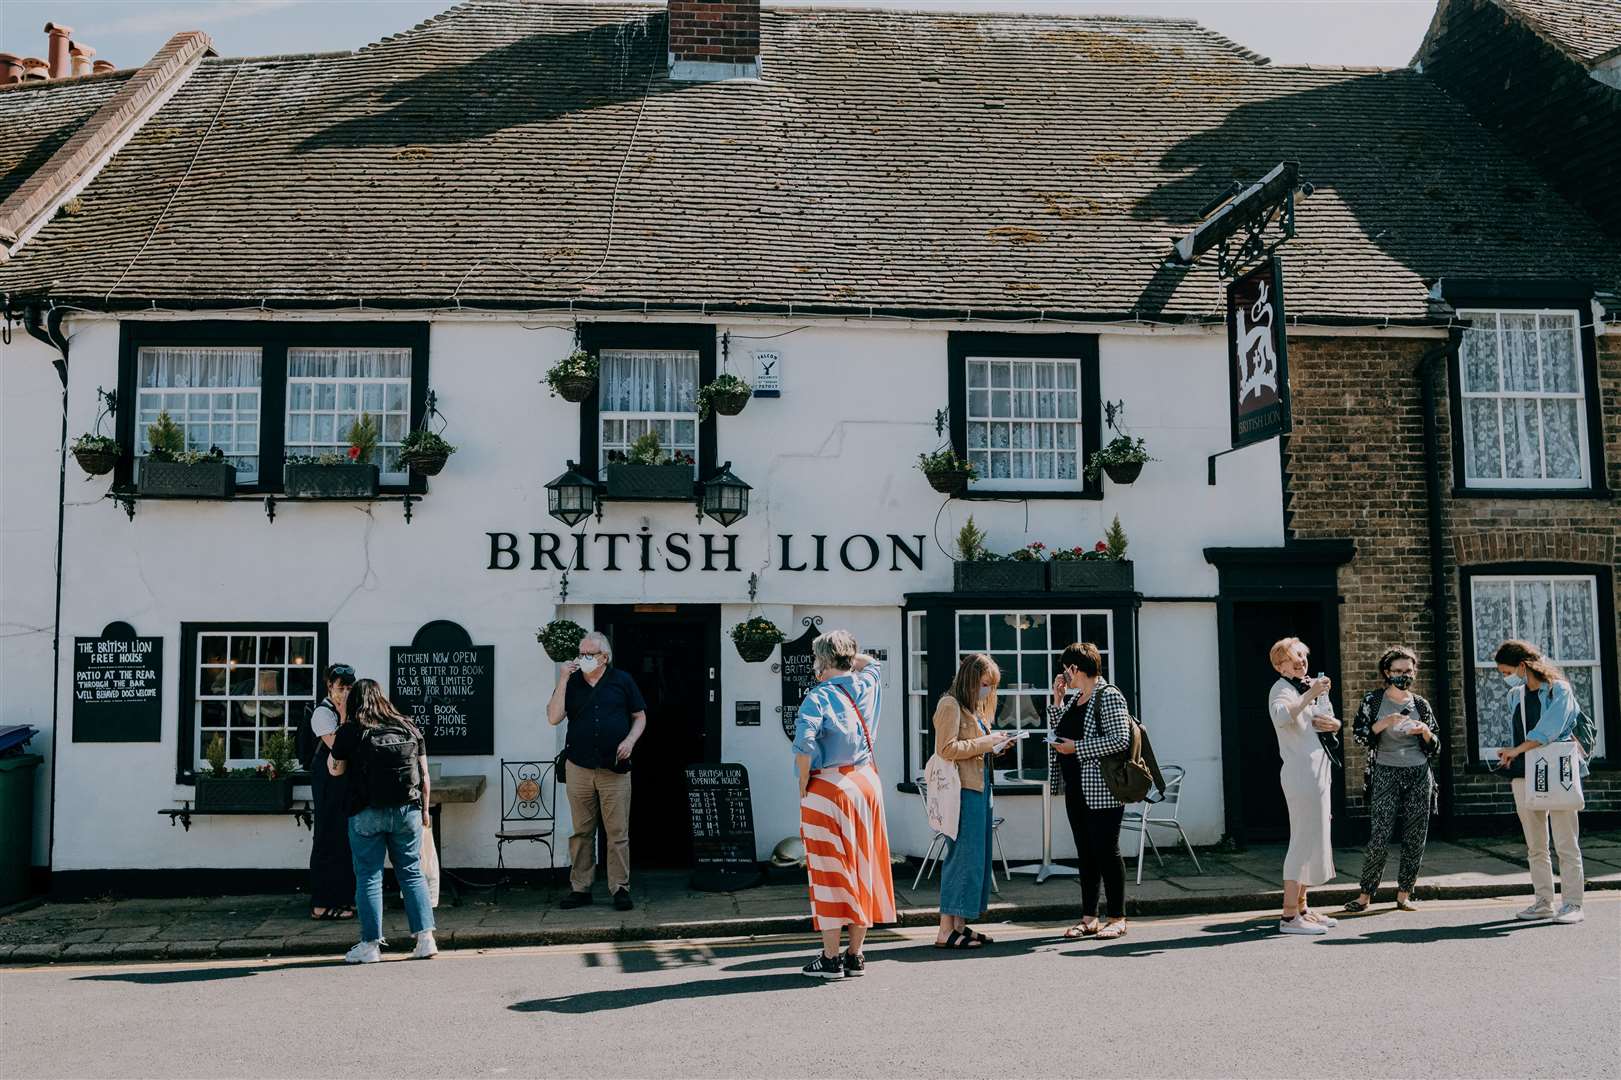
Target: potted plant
[
  {"x": 948, "y": 474},
  {"x": 96, "y": 454},
  {"x": 353, "y": 475},
  {"x": 425, "y": 452},
  {"x": 646, "y": 472},
  {"x": 170, "y": 469},
  {"x": 726, "y": 395},
  {"x": 756, "y": 638},
  {"x": 265, "y": 789},
  {"x": 574, "y": 378},
  {"x": 561, "y": 639},
  {"x": 1100, "y": 568},
  {"x": 980, "y": 570},
  {"x": 1122, "y": 459}
]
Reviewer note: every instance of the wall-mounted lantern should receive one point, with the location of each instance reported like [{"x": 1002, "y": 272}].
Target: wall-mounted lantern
[
  {"x": 573, "y": 497},
  {"x": 725, "y": 498}
]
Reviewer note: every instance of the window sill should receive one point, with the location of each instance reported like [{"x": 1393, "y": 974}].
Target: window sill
[
  {"x": 1595, "y": 494},
  {"x": 991, "y": 494},
  {"x": 268, "y": 499}
]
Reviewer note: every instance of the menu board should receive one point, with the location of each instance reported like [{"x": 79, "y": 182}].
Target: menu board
[
  {"x": 798, "y": 671},
  {"x": 748, "y": 714},
  {"x": 118, "y": 686},
  {"x": 722, "y": 827},
  {"x": 446, "y": 685}
]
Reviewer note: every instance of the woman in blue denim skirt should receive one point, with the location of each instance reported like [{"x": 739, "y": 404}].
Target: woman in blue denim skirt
[
  {"x": 963, "y": 734},
  {"x": 387, "y": 760}
]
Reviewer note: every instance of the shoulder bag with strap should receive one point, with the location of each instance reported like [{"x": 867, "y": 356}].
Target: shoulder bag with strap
[
  {"x": 1126, "y": 773},
  {"x": 862, "y": 720},
  {"x": 942, "y": 797}
]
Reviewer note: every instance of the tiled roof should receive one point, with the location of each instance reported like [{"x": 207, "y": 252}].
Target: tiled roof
[
  {"x": 39, "y": 118},
  {"x": 1585, "y": 30},
  {"x": 533, "y": 154}
]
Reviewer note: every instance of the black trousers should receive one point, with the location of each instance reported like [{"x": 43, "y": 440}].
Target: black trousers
[
  {"x": 1097, "y": 843},
  {"x": 332, "y": 871}
]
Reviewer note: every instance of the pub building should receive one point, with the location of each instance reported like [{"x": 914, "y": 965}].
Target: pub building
[{"x": 907, "y": 232}]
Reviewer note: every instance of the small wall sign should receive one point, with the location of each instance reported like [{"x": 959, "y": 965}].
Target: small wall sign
[
  {"x": 446, "y": 685},
  {"x": 748, "y": 714},
  {"x": 118, "y": 686},
  {"x": 798, "y": 671},
  {"x": 767, "y": 374}
]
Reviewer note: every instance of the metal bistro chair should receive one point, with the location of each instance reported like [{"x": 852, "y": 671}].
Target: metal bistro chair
[
  {"x": 529, "y": 804},
  {"x": 1145, "y": 816},
  {"x": 937, "y": 845}
]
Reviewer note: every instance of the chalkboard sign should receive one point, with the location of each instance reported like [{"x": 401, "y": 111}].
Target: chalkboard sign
[
  {"x": 722, "y": 828},
  {"x": 748, "y": 714},
  {"x": 446, "y": 685},
  {"x": 118, "y": 686},
  {"x": 798, "y": 671}
]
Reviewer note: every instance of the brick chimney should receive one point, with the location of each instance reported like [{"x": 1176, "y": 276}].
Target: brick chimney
[
  {"x": 83, "y": 57},
  {"x": 61, "y": 62},
  {"x": 711, "y": 40}
]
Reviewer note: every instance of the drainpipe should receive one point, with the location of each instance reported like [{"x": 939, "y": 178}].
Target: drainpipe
[
  {"x": 47, "y": 327},
  {"x": 1431, "y": 369}
]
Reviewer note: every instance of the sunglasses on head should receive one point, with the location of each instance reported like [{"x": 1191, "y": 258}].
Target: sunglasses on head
[{"x": 342, "y": 671}]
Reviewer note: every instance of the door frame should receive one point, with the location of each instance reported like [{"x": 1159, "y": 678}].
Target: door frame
[
  {"x": 605, "y": 615},
  {"x": 1306, "y": 570}
]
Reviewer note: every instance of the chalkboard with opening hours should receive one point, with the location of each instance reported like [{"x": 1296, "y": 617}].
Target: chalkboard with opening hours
[{"x": 722, "y": 811}]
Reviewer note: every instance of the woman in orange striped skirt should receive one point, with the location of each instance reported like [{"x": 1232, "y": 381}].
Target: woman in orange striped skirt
[{"x": 841, "y": 803}]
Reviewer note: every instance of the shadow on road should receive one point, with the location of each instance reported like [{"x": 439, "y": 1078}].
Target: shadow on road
[
  {"x": 914, "y": 954},
  {"x": 1419, "y": 935},
  {"x": 1208, "y": 937},
  {"x": 189, "y": 975},
  {"x": 601, "y": 1000}
]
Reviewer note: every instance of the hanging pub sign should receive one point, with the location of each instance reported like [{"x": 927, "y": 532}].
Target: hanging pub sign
[
  {"x": 722, "y": 828},
  {"x": 446, "y": 686},
  {"x": 118, "y": 686},
  {"x": 1257, "y": 359},
  {"x": 798, "y": 671}
]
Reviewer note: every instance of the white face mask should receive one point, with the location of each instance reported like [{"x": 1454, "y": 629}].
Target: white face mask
[
  {"x": 985, "y": 692},
  {"x": 588, "y": 664}
]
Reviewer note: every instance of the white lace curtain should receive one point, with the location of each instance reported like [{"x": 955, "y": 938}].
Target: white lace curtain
[
  {"x": 648, "y": 381},
  {"x": 201, "y": 368},
  {"x": 1522, "y": 396}
]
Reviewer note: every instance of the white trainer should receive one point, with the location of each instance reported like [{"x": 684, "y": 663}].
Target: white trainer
[
  {"x": 1297, "y": 925},
  {"x": 367, "y": 952},
  {"x": 1539, "y": 910},
  {"x": 426, "y": 948},
  {"x": 1570, "y": 913},
  {"x": 1325, "y": 920}
]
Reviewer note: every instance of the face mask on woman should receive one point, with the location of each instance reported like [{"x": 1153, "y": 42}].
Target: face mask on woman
[
  {"x": 1514, "y": 681},
  {"x": 1400, "y": 682},
  {"x": 985, "y": 692}
]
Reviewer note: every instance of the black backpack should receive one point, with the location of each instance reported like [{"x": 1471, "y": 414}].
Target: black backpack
[
  {"x": 305, "y": 743},
  {"x": 388, "y": 763}
]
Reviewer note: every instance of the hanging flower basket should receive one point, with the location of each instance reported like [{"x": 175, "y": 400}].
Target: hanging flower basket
[
  {"x": 1122, "y": 459},
  {"x": 425, "y": 464},
  {"x": 561, "y": 639},
  {"x": 575, "y": 388},
  {"x": 946, "y": 472},
  {"x": 756, "y": 639},
  {"x": 726, "y": 395},
  {"x": 1124, "y": 472},
  {"x": 96, "y": 454},
  {"x": 574, "y": 378},
  {"x": 425, "y": 452}
]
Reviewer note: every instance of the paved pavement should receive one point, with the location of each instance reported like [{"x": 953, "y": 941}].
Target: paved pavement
[
  {"x": 1459, "y": 988},
  {"x": 245, "y": 926}
]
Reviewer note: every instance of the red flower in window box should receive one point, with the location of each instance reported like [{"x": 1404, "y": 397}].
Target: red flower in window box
[{"x": 354, "y": 453}]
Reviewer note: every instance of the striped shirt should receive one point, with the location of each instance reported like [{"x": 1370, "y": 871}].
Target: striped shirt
[{"x": 1105, "y": 730}]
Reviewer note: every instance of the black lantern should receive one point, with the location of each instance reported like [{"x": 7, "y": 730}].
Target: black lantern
[
  {"x": 572, "y": 497},
  {"x": 725, "y": 497}
]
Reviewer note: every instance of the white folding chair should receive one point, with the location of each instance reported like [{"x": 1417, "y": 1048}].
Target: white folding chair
[
  {"x": 1162, "y": 814},
  {"x": 938, "y": 843}
]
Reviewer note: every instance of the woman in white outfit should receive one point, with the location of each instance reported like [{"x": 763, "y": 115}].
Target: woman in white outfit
[{"x": 1300, "y": 710}]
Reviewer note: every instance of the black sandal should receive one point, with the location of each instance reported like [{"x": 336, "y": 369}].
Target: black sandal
[
  {"x": 334, "y": 914},
  {"x": 974, "y": 935},
  {"x": 957, "y": 942},
  {"x": 1355, "y": 906}
]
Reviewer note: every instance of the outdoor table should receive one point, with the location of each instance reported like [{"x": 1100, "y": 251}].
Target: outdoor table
[
  {"x": 1046, "y": 868},
  {"x": 450, "y": 789}
]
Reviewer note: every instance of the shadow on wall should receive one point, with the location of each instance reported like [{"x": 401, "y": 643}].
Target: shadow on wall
[
  {"x": 535, "y": 80},
  {"x": 1423, "y": 181}
]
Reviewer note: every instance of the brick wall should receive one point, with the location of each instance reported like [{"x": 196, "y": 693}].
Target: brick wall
[
  {"x": 1356, "y": 469},
  {"x": 715, "y": 31}
]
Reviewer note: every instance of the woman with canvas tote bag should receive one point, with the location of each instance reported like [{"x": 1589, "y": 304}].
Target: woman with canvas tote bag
[
  {"x": 1543, "y": 723},
  {"x": 963, "y": 738}
]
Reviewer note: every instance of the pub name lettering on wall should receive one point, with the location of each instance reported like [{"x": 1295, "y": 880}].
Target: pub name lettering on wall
[{"x": 712, "y": 552}]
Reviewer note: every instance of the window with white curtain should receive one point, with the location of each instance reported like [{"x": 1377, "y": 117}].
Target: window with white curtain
[
  {"x": 643, "y": 390},
  {"x": 329, "y": 388},
  {"x": 212, "y": 393},
  {"x": 250, "y": 684},
  {"x": 1523, "y": 400},
  {"x": 1024, "y": 422},
  {"x": 1559, "y": 614}
]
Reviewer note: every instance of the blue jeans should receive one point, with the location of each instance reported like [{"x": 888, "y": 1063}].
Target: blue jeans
[{"x": 396, "y": 831}]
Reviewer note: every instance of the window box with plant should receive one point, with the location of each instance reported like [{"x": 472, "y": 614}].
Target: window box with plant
[
  {"x": 1100, "y": 568},
  {"x": 726, "y": 395},
  {"x": 265, "y": 789},
  {"x": 980, "y": 570},
  {"x": 757, "y": 638},
  {"x": 1122, "y": 460},
  {"x": 96, "y": 454},
  {"x": 947, "y": 473},
  {"x": 170, "y": 469},
  {"x": 646, "y": 473},
  {"x": 425, "y": 452},
  {"x": 338, "y": 476},
  {"x": 574, "y": 378},
  {"x": 561, "y": 639}
]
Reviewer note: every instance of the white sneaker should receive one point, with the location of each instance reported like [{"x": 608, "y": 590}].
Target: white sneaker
[
  {"x": 1539, "y": 910},
  {"x": 1570, "y": 913},
  {"x": 1322, "y": 919},
  {"x": 1297, "y": 925},
  {"x": 367, "y": 952},
  {"x": 426, "y": 947}
]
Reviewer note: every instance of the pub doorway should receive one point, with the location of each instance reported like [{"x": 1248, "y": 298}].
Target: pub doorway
[{"x": 673, "y": 653}]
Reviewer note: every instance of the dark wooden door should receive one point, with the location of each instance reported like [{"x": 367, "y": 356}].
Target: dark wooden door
[
  {"x": 1256, "y": 626},
  {"x": 674, "y": 657}
]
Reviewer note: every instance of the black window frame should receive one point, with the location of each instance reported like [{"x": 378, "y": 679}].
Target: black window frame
[
  {"x": 186, "y": 730},
  {"x": 273, "y": 339},
  {"x": 699, "y": 337},
  {"x": 1604, "y": 583},
  {"x": 1481, "y": 297},
  {"x": 960, "y": 345}
]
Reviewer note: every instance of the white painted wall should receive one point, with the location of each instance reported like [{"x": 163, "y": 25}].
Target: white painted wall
[{"x": 834, "y": 455}]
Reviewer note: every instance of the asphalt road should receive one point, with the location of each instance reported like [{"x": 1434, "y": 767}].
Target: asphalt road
[{"x": 1457, "y": 989}]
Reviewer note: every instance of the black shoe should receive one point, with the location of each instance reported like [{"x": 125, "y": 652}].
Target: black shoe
[
  {"x": 824, "y": 967},
  {"x": 575, "y": 899},
  {"x": 855, "y": 965},
  {"x": 622, "y": 901}
]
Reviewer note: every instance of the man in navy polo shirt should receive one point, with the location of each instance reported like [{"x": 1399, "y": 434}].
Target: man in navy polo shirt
[{"x": 606, "y": 715}]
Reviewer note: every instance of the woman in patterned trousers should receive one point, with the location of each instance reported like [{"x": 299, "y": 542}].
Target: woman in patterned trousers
[{"x": 1397, "y": 729}]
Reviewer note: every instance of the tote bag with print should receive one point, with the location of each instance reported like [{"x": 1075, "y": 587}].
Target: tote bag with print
[
  {"x": 942, "y": 795},
  {"x": 1553, "y": 777}
]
